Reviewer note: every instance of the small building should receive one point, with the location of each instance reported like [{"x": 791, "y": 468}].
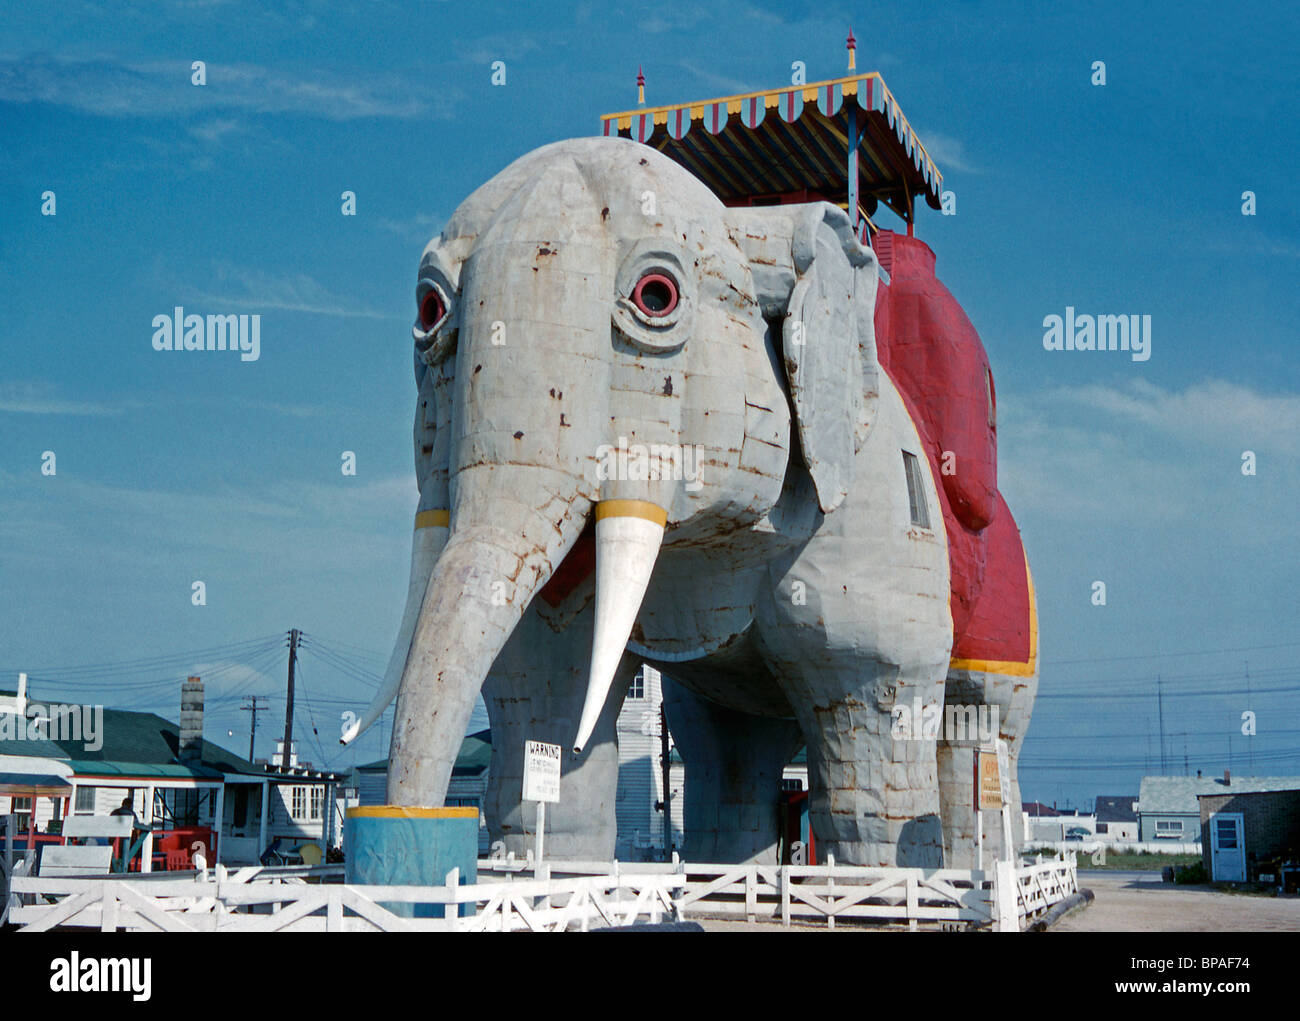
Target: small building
[
  {"x": 1168, "y": 809},
  {"x": 61, "y": 759},
  {"x": 1117, "y": 816},
  {"x": 1249, "y": 833}
]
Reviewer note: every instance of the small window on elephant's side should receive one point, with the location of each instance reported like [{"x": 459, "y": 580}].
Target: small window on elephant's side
[
  {"x": 993, "y": 401},
  {"x": 915, "y": 491}
]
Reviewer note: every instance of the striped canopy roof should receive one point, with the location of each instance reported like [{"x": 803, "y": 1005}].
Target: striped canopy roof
[{"x": 793, "y": 139}]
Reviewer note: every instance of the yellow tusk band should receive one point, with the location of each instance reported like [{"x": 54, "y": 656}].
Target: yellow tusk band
[
  {"x": 433, "y": 519},
  {"x": 631, "y": 509}
]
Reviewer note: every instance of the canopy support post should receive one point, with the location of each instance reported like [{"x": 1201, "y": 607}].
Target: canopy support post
[{"x": 854, "y": 140}]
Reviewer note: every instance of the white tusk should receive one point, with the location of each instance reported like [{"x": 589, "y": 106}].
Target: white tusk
[
  {"x": 430, "y": 537},
  {"x": 628, "y": 536}
]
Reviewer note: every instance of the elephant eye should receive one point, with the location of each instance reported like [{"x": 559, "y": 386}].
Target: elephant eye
[
  {"x": 655, "y": 294},
  {"x": 432, "y": 309}
]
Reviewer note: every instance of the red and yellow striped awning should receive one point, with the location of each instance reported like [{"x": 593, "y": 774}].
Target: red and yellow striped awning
[{"x": 793, "y": 139}]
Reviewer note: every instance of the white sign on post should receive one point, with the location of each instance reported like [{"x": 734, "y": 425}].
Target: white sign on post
[
  {"x": 541, "y": 784},
  {"x": 541, "y": 772}
]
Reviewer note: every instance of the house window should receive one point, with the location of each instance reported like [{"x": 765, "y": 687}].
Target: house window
[
  {"x": 1103, "y": 827},
  {"x": 22, "y": 808},
  {"x": 1169, "y": 828},
  {"x": 791, "y": 783},
  {"x": 915, "y": 491},
  {"x": 85, "y": 799},
  {"x": 637, "y": 688},
  {"x": 1227, "y": 834},
  {"x": 305, "y": 803}
]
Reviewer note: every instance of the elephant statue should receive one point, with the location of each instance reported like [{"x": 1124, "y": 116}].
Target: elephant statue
[{"x": 655, "y": 429}]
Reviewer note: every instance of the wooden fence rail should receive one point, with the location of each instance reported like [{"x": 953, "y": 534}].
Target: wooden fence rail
[
  {"x": 511, "y": 895},
  {"x": 251, "y": 901}
]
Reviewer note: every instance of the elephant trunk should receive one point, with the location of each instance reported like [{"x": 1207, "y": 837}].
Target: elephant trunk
[
  {"x": 427, "y": 543},
  {"x": 499, "y": 553}
]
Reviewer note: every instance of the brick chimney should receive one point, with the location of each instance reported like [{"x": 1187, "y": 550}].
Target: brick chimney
[
  {"x": 190, "y": 746},
  {"x": 1227, "y": 778}
]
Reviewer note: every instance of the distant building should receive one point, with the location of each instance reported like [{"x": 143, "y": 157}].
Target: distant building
[
  {"x": 1168, "y": 807},
  {"x": 1117, "y": 816},
  {"x": 1247, "y": 833},
  {"x": 60, "y": 759}
]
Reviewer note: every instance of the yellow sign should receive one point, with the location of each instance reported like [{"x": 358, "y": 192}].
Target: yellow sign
[{"x": 988, "y": 780}]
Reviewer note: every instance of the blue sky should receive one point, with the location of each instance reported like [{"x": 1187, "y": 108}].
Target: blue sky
[{"x": 1124, "y": 198}]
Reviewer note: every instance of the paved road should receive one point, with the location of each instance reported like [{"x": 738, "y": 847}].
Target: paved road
[
  {"x": 1133, "y": 876},
  {"x": 1127, "y": 905}
]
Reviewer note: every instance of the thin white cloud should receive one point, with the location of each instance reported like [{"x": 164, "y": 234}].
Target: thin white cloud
[
  {"x": 1212, "y": 410},
  {"x": 110, "y": 88},
  {"x": 240, "y": 287},
  {"x": 44, "y": 399},
  {"x": 947, "y": 152}
]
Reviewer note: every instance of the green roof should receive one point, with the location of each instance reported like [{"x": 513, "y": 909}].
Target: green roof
[
  {"x": 132, "y": 744},
  {"x": 475, "y": 754}
]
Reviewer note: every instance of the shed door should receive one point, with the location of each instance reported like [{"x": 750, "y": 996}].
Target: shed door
[{"x": 1227, "y": 847}]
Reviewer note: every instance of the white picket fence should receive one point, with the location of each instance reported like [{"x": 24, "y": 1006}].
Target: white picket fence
[
  {"x": 824, "y": 893},
  {"x": 267, "y": 900},
  {"x": 565, "y": 896}
]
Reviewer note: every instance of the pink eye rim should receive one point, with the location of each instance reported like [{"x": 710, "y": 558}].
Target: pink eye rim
[
  {"x": 432, "y": 309},
  {"x": 656, "y": 295}
]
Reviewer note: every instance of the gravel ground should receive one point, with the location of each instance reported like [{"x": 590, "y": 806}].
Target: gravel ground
[
  {"x": 1128, "y": 903},
  {"x": 1123, "y": 905}
]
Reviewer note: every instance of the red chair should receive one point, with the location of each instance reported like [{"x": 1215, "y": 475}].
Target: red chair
[{"x": 178, "y": 861}]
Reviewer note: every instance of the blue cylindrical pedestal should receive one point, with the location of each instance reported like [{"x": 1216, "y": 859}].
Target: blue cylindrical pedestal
[{"x": 393, "y": 845}]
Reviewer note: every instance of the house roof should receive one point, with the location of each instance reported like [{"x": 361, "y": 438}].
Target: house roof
[
  {"x": 1176, "y": 795},
  {"x": 475, "y": 755},
  {"x": 1116, "y": 808},
  {"x": 45, "y": 785},
  {"x": 130, "y": 744},
  {"x": 1037, "y": 809}
]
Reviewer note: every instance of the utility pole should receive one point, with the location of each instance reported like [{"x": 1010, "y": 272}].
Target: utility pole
[
  {"x": 252, "y": 723},
  {"x": 1160, "y": 706},
  {"x": 294, "y": 634},
  {"x": 665, "y": 752}
]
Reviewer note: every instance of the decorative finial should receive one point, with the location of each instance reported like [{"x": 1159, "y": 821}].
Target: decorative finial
[
  {"x": 640, "y": 86},
  {"x": 852, "y": 44}
]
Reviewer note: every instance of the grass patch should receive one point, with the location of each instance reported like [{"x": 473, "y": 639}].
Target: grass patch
[{"x": 1119, "y": 861}]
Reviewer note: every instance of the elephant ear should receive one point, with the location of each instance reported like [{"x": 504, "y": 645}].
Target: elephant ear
[{"x": 828, "y": 343}]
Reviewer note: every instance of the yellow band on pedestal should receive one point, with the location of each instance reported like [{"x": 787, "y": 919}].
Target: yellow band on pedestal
[{"x": 411, "y": 812}]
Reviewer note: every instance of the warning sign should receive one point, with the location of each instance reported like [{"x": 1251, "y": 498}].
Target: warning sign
[{"x": 541, "y": 772}]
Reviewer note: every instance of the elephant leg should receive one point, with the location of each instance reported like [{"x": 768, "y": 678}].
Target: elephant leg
[
  {"x": 1011, "y": 699},
  {"x": 535, "y": 692},
  {"x": 734, "y": 763},
  {"x": 873, "y": 797}
]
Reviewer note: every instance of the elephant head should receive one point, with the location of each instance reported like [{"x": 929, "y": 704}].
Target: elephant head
[{"x": 605, "y": 346}]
